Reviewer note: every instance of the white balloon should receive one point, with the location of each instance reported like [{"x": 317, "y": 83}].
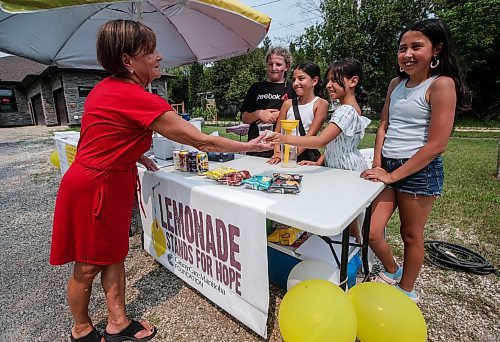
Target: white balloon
[{"x": 312, "y": 269}]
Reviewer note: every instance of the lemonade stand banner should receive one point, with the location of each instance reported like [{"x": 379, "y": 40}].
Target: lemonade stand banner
[
  {"x": 211, "y": 236},
  {"x": 66, "y": 143}
]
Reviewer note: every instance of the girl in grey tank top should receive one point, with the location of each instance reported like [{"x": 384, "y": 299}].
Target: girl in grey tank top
[
  {"x": 409, "y": 118},
  {"x": 415, "y": 125}
]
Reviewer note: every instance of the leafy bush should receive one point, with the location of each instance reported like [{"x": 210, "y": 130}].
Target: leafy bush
[{"x": 208, "y": 114}]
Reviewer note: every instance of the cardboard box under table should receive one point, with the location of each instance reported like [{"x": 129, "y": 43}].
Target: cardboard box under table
[{"x": 329, "y": 200}]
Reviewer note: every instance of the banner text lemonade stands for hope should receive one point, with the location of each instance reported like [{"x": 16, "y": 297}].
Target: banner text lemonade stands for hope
[{"x": 203, "y": 241}]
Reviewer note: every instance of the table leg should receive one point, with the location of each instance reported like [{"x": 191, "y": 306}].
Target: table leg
[
  {"x": 365, "y": 244},
  {"x": 343, "y": 259},
  {"x": 330, "y": 243}
]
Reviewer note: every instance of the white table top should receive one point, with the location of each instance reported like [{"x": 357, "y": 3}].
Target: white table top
[{"x": 328, "y": 201}]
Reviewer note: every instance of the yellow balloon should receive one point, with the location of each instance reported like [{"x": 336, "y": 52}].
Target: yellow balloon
[
  {"x": 316, "y": 310},
  {"x": 385, "y": 314},
  {"x": 54, "y": 159},
  {"x": 159, "y": 240}
]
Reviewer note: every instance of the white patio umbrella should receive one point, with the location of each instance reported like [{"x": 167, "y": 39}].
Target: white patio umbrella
[{"x": 187, "y": 30}]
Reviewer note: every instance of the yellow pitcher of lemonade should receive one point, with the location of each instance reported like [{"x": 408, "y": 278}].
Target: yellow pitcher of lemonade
[{"x": 289, "y": 152}]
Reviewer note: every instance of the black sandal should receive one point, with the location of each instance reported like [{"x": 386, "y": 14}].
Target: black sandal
[
  {"x": 128, "y": 333},
  {"x": 92, "y": 336}
]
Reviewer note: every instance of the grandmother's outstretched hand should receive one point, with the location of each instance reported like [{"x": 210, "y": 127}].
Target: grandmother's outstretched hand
[{"x": 259, "y": 144}]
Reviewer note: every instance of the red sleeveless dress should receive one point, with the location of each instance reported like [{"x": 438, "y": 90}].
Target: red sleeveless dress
[{"x": 94, "y": 204}]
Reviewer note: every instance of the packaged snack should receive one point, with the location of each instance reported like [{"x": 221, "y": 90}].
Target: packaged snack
[
  {"x": 245, "y": 174},
  {"x": 258, "y": 182},
  {"x": 285, "y": 236},
  {"x": 288, "y": 177},
  {"x": 219, "y": 172},
  {"x": 301, "y": 240},
  {"x": 285, "y": 183},
  {"x": 233, "y": 178}
]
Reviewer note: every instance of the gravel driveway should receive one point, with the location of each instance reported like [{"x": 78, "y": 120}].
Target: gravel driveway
[{"x": 456, "y": 306}]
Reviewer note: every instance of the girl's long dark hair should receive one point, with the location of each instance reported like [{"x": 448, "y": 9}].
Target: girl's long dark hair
[
  {"x": 348, "y": 67},
  {"x": 313, "y": 71},
  {"x": 439, "y": 33}
]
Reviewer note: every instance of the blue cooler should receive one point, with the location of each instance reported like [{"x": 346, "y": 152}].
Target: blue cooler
[
  {"x": 352, "y": 270},
  {"x": 279, "y": 266},
  {"x": 186, "y": 116}
]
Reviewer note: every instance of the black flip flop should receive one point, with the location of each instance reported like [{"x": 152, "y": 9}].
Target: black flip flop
[
  {"x": 128, "y": 333},
  {"x": 92, "y": 336}
]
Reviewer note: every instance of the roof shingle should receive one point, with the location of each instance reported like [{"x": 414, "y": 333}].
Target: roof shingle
[{"x": 15, "y": 69}]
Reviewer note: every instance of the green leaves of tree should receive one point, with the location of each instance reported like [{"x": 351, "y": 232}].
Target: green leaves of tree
[
  {"x": 475, "y": 28},
  {"x": 366, "y": 30}
]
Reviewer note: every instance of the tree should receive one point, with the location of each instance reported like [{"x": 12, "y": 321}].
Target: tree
[
  {"x": 196, "y": 79},
  {"x": 363, "y": 29},
  {"x": 381, "y": 23},
  {"x": 230, "y": 79},
  {"x": 474, "y": 26},
  {"x": 177, "y": 90}
]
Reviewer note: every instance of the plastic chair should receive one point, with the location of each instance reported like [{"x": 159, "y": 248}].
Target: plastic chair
[{"x": 367, "y": 153}]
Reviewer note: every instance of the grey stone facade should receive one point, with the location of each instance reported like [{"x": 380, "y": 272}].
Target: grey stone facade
[
  {"x": 20, "y": 118},
  {"x": 73, "y": 83}
]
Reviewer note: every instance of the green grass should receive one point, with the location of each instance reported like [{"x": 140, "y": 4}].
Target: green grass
[
  {"x": 471, "y": 200},
  {"x": 222, "y": 132},
  {"x": 476, "y": 135}
]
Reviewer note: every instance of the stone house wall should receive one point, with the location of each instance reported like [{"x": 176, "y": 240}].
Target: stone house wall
[
  {"x": 75, "y": 85},
  {"x": 23, "y": 115}
]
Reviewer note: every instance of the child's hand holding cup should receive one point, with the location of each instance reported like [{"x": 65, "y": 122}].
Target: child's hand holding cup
[{"x": 265, "y": 129}]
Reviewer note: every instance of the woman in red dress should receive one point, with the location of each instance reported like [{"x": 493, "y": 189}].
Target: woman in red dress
[{"x": 94, "y": 203}]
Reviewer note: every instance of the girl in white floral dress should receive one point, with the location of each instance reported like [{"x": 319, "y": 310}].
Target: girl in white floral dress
[{"x": 346, "y": 128}]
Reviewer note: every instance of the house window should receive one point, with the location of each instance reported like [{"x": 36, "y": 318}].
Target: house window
[
  {"x": 84, "y": 91},
  {"x": 7, "y": 101}
]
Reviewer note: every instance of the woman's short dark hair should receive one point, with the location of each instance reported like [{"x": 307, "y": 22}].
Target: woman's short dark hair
[
  {"x": 122, "y": 36},
  {"x": 313, "y": 71}
]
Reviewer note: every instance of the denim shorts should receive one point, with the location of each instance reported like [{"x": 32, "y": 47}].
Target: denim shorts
[{"x": 428, "y": 181}]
